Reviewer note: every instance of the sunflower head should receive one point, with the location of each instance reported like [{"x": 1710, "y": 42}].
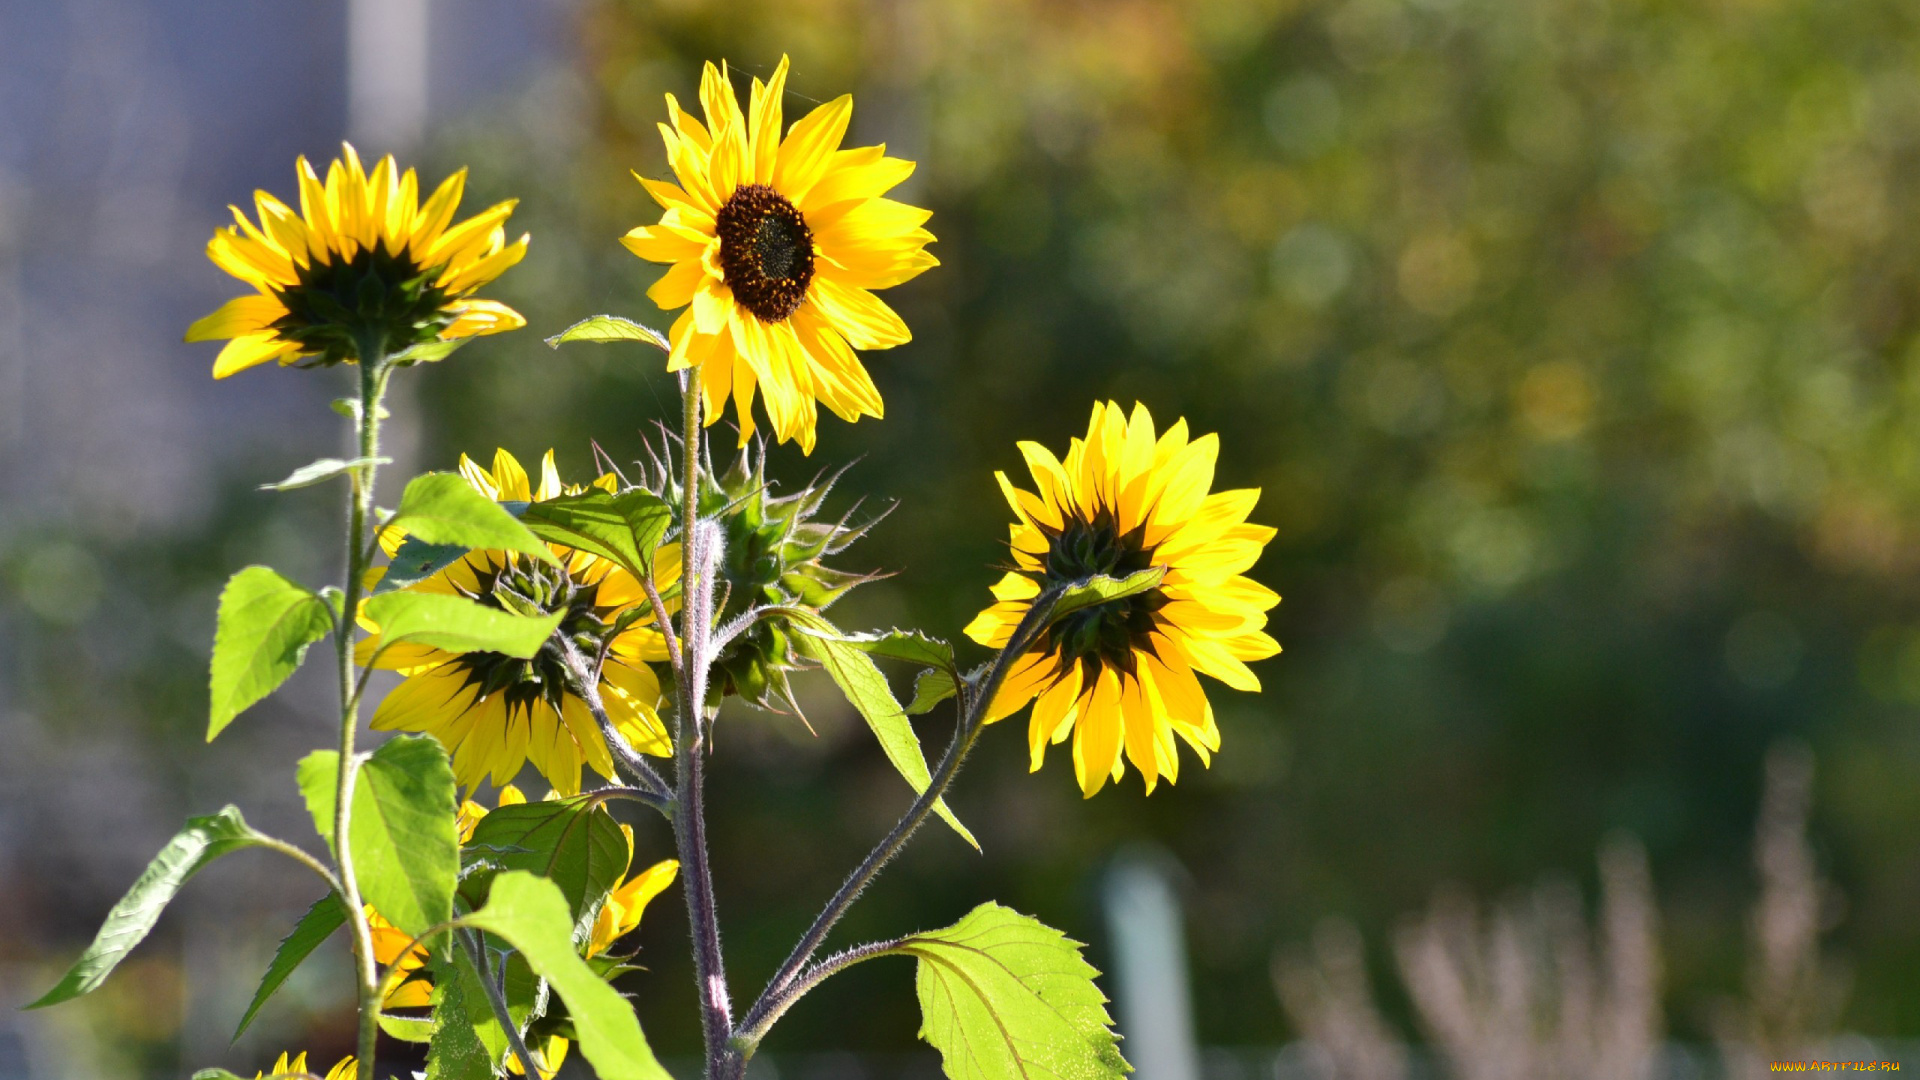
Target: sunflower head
[
  {"x": 363, "y": 263},
  {"x": 775, "y": 552},
  {"x": 495, "y": 712},
  {"x": 777, "y": 242},
  {"x": 1119, "y": 676}
]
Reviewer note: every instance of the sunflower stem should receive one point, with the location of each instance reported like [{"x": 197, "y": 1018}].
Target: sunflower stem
[
  {"x": 584, "y": 680},
  {"x": 497, "y": 1001},
  {"x": 373, "y": 370},
  {"x": 794, "y": 977},
  {"x": 699, "y": 553}
]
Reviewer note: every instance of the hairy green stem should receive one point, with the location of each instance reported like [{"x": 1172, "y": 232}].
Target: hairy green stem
[
  {"x": 373, "y": 371},
  {"x": 584, "y": 681},
  {"x": 497, "y": 1000}
]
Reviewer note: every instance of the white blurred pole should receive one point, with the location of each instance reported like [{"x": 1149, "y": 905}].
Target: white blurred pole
[
  {"x": 1148, "y": 933},
  {"x": 386, "y": 75}
]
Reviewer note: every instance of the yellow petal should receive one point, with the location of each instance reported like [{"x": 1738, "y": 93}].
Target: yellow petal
[{"x": 861, "y": 317}]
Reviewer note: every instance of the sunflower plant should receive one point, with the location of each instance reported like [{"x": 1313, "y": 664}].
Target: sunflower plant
[{"x": 594, "y": 629}]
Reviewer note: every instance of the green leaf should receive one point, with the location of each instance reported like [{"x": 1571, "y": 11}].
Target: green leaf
[
  {"x": 532, "y": 916},
  {"x": 416, "y": 561},
  {"x": 466, "y": 1039},
  {"x": 318, "y": 777},
  {"x": 326, "y": 468},
  {"x": 266, "y": 623},
  {"x": 429, "y": 351},
  {"x": 866, "y": 689},
  {"x": 203, "y": 840},
  {"x": 1004, "y": 995},
  {"x": 910, "y": 645},
  {"x": 413, "y": 1029},
  {"x": 442, "y": 508},
  {"x": 1100, "y": 588},
  {"x": 624, "y": 528},
  {"x": 459, "y": 625},
  {"x": 610, "y": 328},
  {"x": 316, "y": 926},
  {"x": 217, "y": 1074},
  {"x": 931, "y": 688},
  {"x": 406, "y": 851},
  {"x": 571, "y": 842}
]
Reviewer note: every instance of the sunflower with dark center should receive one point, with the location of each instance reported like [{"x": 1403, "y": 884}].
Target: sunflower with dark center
[
  {"x": 494, "y": 713},
  {"x": 364, "y": 257},
  {"x": 776, "y": 246},
  {"x": 1120, "y": 676}
]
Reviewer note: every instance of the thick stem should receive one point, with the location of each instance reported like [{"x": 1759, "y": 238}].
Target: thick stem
[
  {"x": 373, "y": 372},
  {"x": 788, "y": 984},
  {"x": 698, "y": 556}
]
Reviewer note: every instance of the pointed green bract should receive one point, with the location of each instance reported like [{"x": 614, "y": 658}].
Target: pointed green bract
[
  {"x": 571, "y": 842},
  {"x": 866, "y": 689},
  {"x": 406, "y": 851},
  {"x": 458, "y": 625},
  {"x": 316, "y": 472},
  {"x": 531, "y": 915},
  {"x": 624, "y": 529},
  {"x": 265, "y": 624},
  {"x": 202, "y": 841},
  {"x": 317, "y": 925},
  {"x": 1005, "y": 995},
  {"x": 442, "y": 508},
  {"x": 605, "y": 328}
]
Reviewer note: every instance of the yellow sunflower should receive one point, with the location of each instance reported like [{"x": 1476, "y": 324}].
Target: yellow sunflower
[
  {"x": 777, "y": 245},
  {"x": 620, "y": 915},
  {"x": 1120, "y": 675},
  {"x": 297, "y": 1065},
  {"x": 495, "y": 713},
  {"x": 363, "y": 255}
]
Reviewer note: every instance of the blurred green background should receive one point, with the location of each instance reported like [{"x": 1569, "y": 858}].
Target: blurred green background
[{"x": 1572, "y": 343}]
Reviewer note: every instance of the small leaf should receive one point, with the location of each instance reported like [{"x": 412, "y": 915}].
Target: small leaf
[
  {"x": 459, "y": 625},
  {"x": 866, "y": 689},
  {"x": 350, "y": 408},
  {"x": 610, "y": 328},
  {"x": 624, "y": 528},
  {"x": 413, "y": 1029},
  {"x": 1100, "y": 589},
  {"x": 532, "y": 916},
  {"x": 1004, "y": 995},
  {"x": 318, "y": 777},
  {"x": 910, "y": 645},
  {"x": 265, "y": 624},
  {"x": 326, "y": 468},
  {"x": 931, "y": 688},
  {"x": 416, "y": 561},
  {"x": 203, "y": 840},
  {"x": 316, "y": 926},
  {"x": 570, "y": 842},
  {"x": 406, "y": 851},
  {"x": 429, "y": 351},
  {"x": 442, "y": 508}
]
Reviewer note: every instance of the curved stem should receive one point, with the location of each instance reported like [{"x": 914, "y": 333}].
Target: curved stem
[
  {"x": 753, "y": 1030},
  {"x": 306, "y": 860},
  {"x": 497, "y": 1001},
  {"x": 788, "y": 985},
  {"x": 585, "y": 683},
  {"x": 373, "y": 371},
  {"x": 698, "y": 555}
]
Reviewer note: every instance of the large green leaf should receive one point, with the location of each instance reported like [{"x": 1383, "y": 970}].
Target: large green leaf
[
  {"x": 623, "y": 528},
  {"x": 416, "y": 561},
  {"x": 531, "y": 915},
  {"x": 1100, "y": 589},
  {"x": 266, "y": 623},
  {"x": 466, "y": 1040},
  {"x": 406, "y": 852},
  {"x": 203, "y": 840},
  {"x": 866, "y": 689},
  {"x": 610, "y": 328},
  {"x": 442, "y": 508},
  {"x": 1004, "y": 995},
  {"x": 458, "y": 625},
  {"x": 571, "y": 842},
  {"x": 318, "y": 776},
  {"x": 317, "y": 925}
]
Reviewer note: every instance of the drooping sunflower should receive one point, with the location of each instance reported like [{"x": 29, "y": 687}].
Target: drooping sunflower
[
  {"x": 777, "y": 245},
  {"x": 364, "y": 254},
  {"x": 297, "y": 1065},
  {"x": 495, "y": 713},
  {"x": 1119, "y": 676}
]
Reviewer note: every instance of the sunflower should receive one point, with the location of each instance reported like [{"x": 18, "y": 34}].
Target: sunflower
[
  {"x": 363, "y": 256},
  {"x": 297, "y": 1066},
  {"x": 1120, "y": 675},
  {"x": 777, "y": 245},
  {"x": 494, "y": 713}
]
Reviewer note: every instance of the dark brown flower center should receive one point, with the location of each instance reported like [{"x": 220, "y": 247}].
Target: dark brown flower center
[
  {"x": 766, "y": 251},
  {"x": 1105, "y": 634}
]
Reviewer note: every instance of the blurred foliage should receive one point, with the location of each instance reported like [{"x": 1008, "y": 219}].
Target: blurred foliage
[{"x": 1573, "y": 343}]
